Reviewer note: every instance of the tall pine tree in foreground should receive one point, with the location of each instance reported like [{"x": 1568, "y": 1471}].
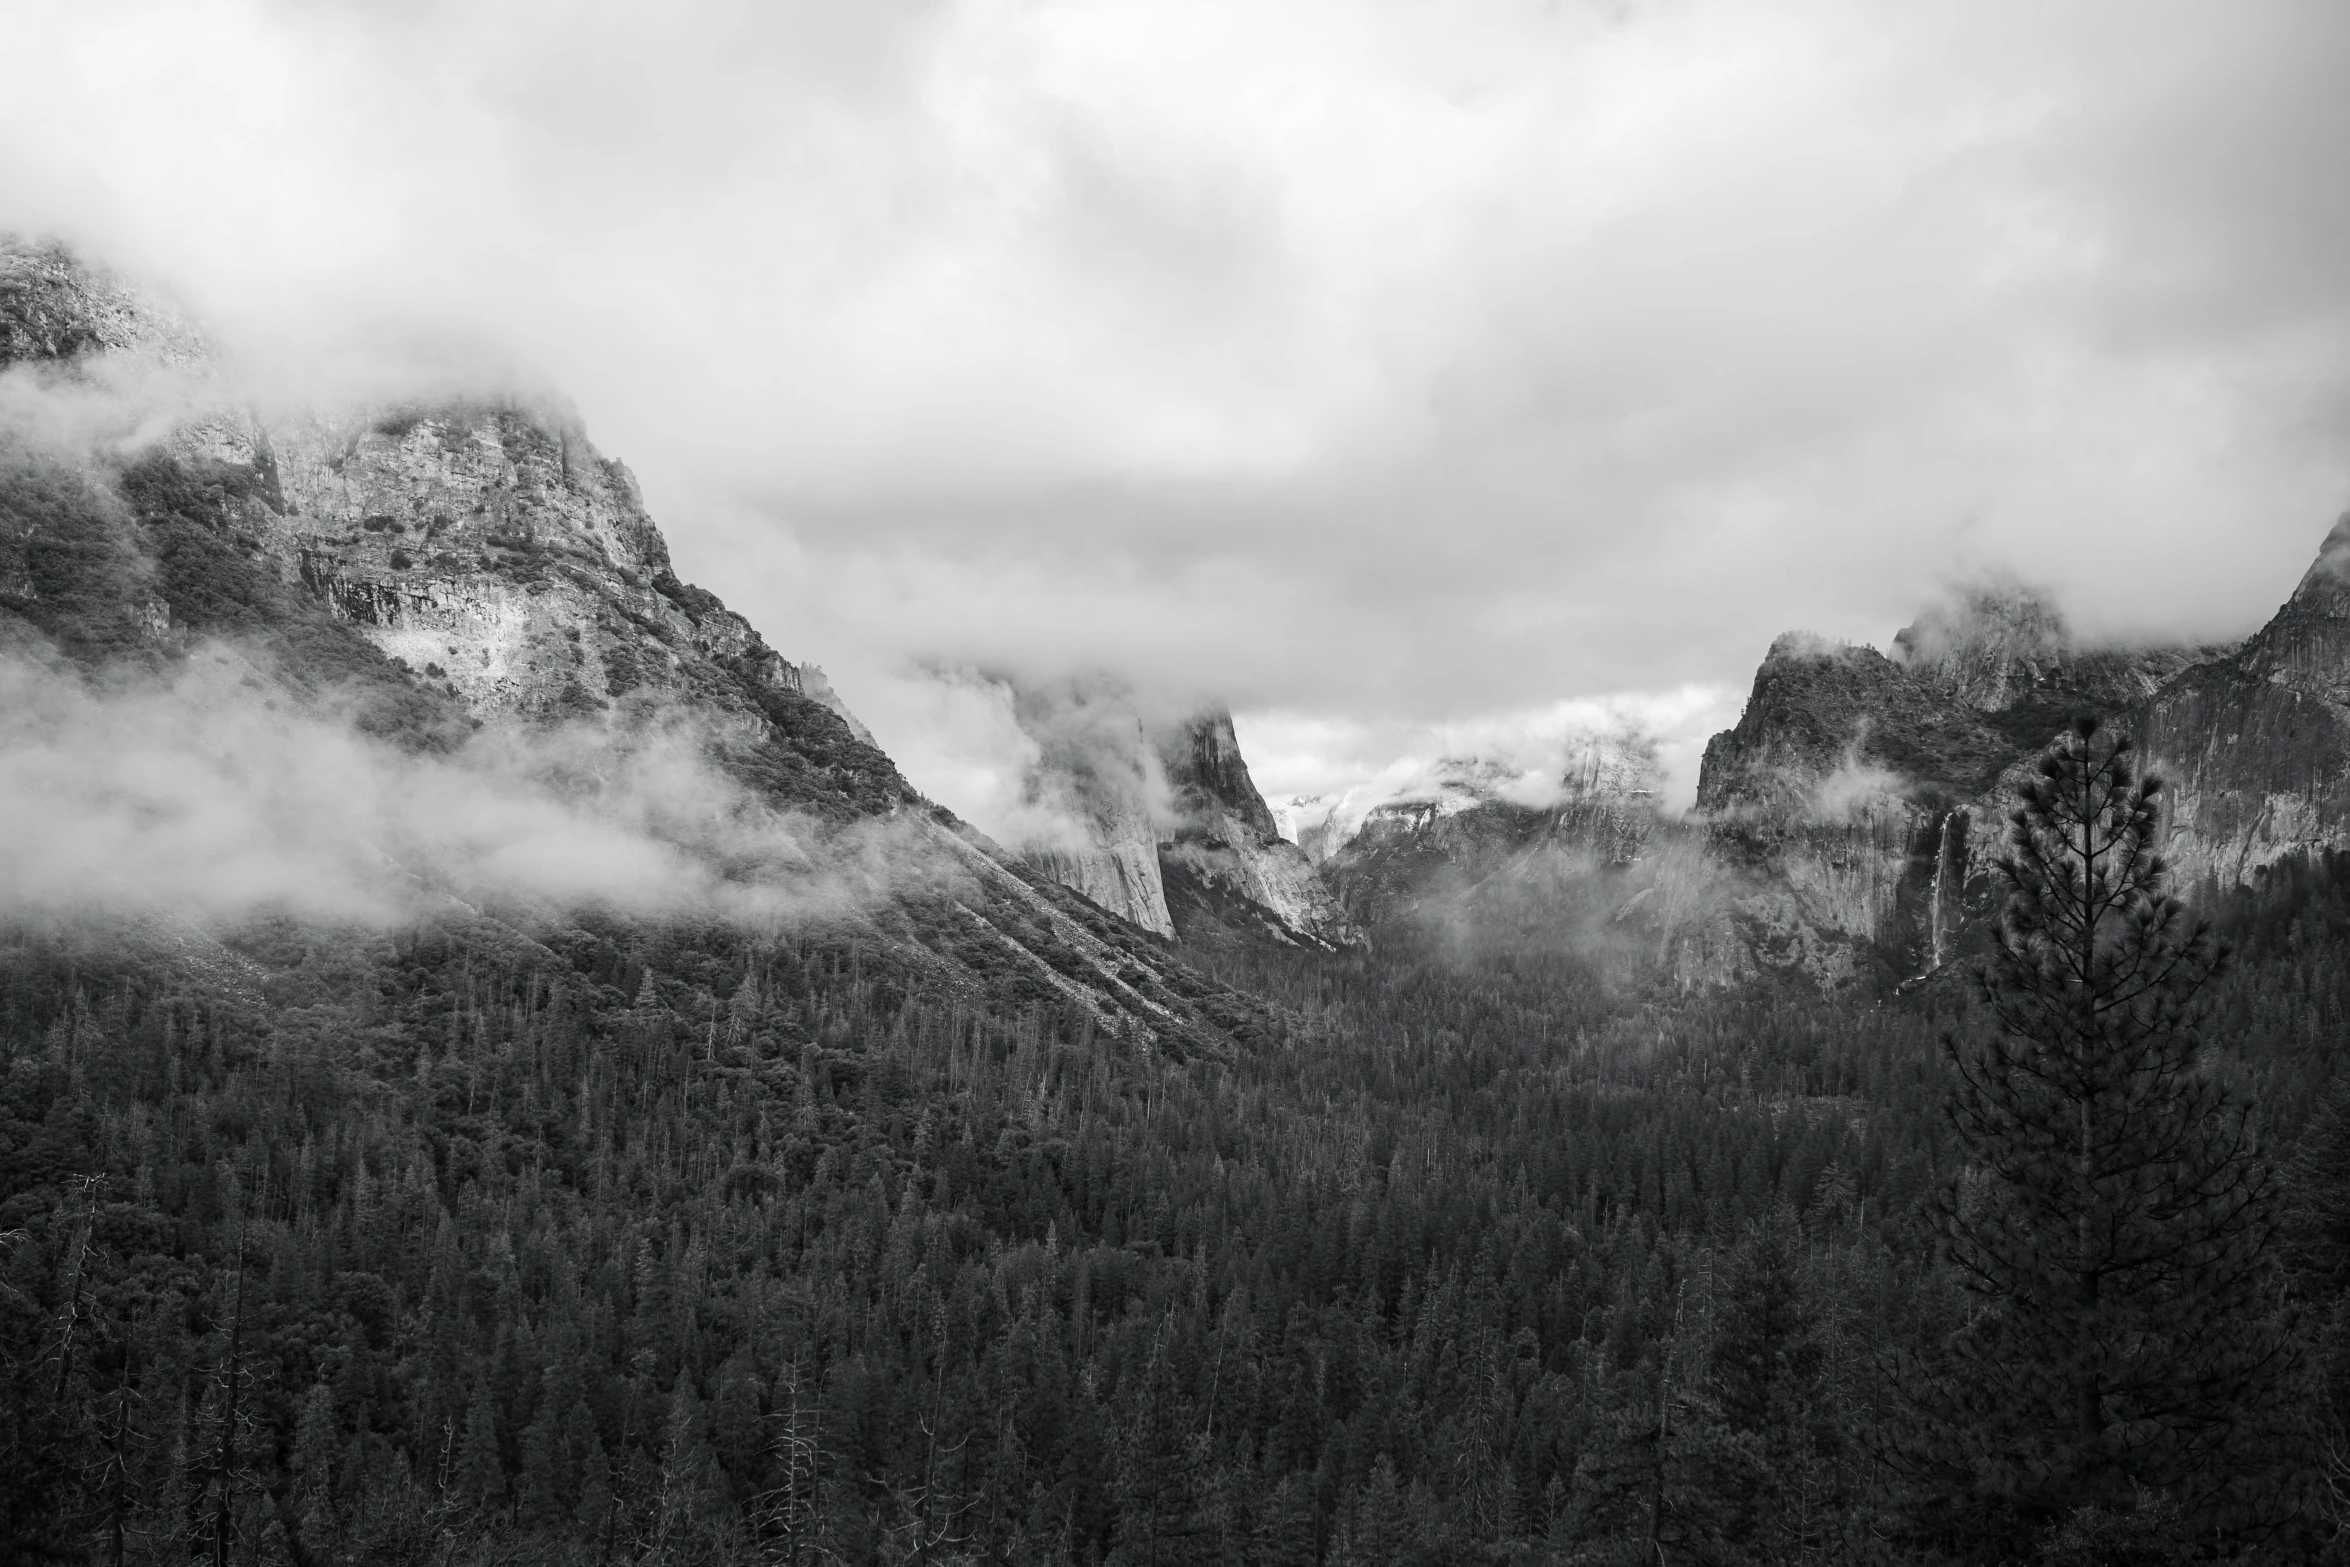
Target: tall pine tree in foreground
[{"x": 2114, "y": 1224}]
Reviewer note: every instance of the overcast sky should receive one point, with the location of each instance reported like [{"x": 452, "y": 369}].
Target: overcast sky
[{"x": 1410, "y": 375}]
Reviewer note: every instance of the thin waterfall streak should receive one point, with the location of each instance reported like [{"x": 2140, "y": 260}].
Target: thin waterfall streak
[{"x": 1934, "y": 893}]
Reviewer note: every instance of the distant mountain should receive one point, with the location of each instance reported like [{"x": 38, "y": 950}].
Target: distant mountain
[
  {"x": 441, "y": 574},
  {"x": 1847, "y": 823},
  {"x": 1160, "y": 822},
  {"x": 1865, "y": 794},
  {"x": 1594, "y": 874},
  {"x": 1829, "y": 724}
]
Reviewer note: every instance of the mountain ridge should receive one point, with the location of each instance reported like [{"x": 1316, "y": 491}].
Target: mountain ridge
[{"x": 434, "y": 571}]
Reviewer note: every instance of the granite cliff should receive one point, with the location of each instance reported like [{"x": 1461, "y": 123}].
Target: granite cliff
[
  {"x": 1097, "y": 781},
  {"x": 1156, "y": 819},
  {"x": 1846, "y": 824},
  {"x": 1863, "y": 796},
  {"x": 2255, "y": 744},
  {"x": 1223, "y": 860}
]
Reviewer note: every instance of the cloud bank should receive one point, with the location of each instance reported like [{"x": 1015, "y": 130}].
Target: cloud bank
[
  {"x": 213, "y": 798},
  {"x": 1380, "y": 364}
]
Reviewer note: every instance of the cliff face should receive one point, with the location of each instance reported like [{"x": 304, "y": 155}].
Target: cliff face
[
  {"x": 1097, "y": 776},
  {"x": 1159, "y": 822},
  {"x": 1222, "y": 854},
  {"x": 1864, "y": 796},
  {"x": 429, "y": 573},
  {"x": 2256, "y": 746},
  {"x": 1831, "y": 727},
  {"x": 54, "y": 309},
  {"x": 493, "y": 549}
]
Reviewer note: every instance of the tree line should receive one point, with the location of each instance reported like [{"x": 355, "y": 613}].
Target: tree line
[{"x": 509, "y": 1239}]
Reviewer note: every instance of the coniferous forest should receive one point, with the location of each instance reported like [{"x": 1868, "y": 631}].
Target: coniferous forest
[{"x": 635, "y": 1241}]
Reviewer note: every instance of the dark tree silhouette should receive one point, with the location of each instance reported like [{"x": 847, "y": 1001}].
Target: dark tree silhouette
[{"x": 2115, "y": 1219}]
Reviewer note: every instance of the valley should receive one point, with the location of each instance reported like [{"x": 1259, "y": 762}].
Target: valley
[{"x": 1498, "y": 1183}]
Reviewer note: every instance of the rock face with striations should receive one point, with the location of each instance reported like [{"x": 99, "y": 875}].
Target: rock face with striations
[
  {"x": 493, "y": 548},
  {"x": 1222, "y": 858},
  {"x": 1843, "y": 781},
  {"x": 2256, "y": 745}
]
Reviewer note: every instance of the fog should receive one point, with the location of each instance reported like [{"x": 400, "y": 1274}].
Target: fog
[
  {"x": 211, "y": 795},
  {"x": 1379, "y": 369}
]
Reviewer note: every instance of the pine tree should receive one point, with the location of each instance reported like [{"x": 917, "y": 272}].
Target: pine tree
[
  {"x": 595, "y": 1517},
  {"x": 317, "y": 1435},
  {"x": 2114, "y": 1225},
  {"x": 1284, "y": 1534},
  {"x": 540, "y": 1486},
  {"x": 1159, "y": 1517},
  {"x": 1378, "y": 1528},
  {"x": 2317, "y": 1222},
  {"x": 481, "y": 1472}
]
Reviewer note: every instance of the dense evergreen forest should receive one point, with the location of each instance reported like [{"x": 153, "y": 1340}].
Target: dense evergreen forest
[{"x": 508, "y": 1239}]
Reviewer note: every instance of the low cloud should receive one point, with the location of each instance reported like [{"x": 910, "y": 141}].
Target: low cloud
[
  {"x": 1854, "y": 789},
  {"x": 1035, "y": 763},
  {"x": 211, "y": 796},
  {"x": 1318, "y": 768}
]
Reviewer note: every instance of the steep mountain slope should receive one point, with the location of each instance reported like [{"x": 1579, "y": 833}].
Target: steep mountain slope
[
  {"x": 2256, "y": 745},
  {"x": 441, "y": 575}
]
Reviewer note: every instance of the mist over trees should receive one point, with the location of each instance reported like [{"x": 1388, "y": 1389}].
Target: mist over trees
[{"x": 654, "y": 1241}]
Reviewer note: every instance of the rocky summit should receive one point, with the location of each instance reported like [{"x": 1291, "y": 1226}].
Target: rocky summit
[{"x": 1891, "y": 777}]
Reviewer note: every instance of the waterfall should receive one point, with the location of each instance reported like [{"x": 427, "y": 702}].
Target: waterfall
[{"x": 1934, "y": 904}]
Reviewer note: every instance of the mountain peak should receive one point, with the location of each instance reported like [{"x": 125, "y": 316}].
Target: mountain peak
[
  {"x": 55, "y": 306},
  {"x": 2306, "y": 647},
  {"x": 2328, "y": 578},
  {"x": 1987, "y": 645}
]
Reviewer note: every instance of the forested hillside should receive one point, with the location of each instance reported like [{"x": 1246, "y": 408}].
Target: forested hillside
[
  {"x": 635, "y": 1242},
  {"x": 578, "y": 1103}
]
